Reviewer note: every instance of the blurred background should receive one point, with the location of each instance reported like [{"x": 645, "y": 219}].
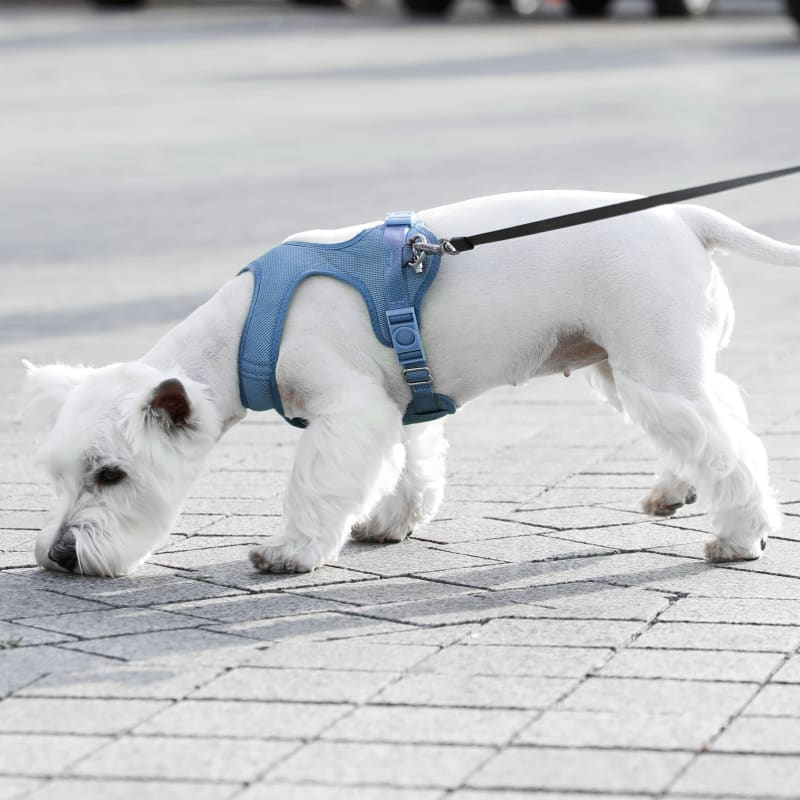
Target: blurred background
[{"x": 148, "y": 153}]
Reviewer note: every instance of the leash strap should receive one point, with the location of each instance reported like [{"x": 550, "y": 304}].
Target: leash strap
[
  {"x": 425, "y": 404},
  {"x": 461, "y": 243}
]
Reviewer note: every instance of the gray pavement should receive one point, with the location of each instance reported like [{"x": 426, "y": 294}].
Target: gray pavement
[{"x": 541, "y": 637}]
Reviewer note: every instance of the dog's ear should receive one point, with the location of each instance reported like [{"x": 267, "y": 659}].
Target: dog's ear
[
  {"x": 170, "y": 404},
  {"x": 46, "y": 388}
]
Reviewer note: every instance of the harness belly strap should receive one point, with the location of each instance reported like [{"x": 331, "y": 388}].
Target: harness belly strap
[{"x": 375, "y": 263}]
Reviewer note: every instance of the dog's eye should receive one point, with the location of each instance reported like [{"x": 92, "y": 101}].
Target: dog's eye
[{"x": 108, "y": 476}]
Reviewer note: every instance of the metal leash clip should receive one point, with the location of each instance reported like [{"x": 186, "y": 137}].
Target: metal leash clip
[{"x": 420, "y": 247}]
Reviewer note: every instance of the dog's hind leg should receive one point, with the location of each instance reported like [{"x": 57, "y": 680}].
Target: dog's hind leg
[
  {"x": 705, "y": 438},
  {"x": 418, "y": 493},
  {"x": 347, "y": 459},
  {"x": 670, "y": 491}
]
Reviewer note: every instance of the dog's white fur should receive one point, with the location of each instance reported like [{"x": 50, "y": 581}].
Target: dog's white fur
[{"x": 641, "y": 289}]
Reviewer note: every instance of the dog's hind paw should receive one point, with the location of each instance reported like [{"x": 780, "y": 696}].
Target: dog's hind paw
[
  {"x": 720, "y": 551},
  {"x": 285, "y": 558},
  {"x": 366, "y": 532},
  {"x": 667, "y": 496}
]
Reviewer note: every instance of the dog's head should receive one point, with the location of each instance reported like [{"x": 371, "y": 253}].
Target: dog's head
[{"x": 122, "y": 445}]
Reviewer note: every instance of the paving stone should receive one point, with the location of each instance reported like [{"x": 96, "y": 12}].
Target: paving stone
[
  {"x": 778, "y": 735},
  {"x": 17, "y": 558},
  {"x": 472, "y": 522},
  {"x": 643, "y": 536},
  {"x": 527, "y": 547},
  {"x": 25, "y": 520},
  {"x": 15, "y": 540},
  {"x": 399, "y": 765},
  {"x": 385, "y": 590},
  {"x": 296, "y": 685},
  {"x": 628, "y": 499},
  {"x": 244, "y": 719},
  {"x": 240, "y": 575},
  {"x": 741, "y": 775},
  {"x": 626, "y": 569},
  {"x": 429, "y": 725},
  {"x": 628, "y": 729},
  {"x": 720, "y": 636},
  {"x": 581, "y": 770},
  {"x": 689, "y": 520},
  {"x": 203, "y": 647},
  {"x": 309, "y": 627},
  {"x": 479, "y": 659},
  {"x": 306, "y": 791},
  {"x": 557, "y": 632},
  {"x": 738, "y": 610},
  {"x": 662, "y": 696},
  {"x": 498, "y": 524},
  {"x": 44, "y": 754},
  {"x": 59, "y": 715},
  {"x": 16, "y": 788},
  {"x": 207, "y": 549},
  {"x": 591, "y": 480},
  {"x": 404, "y": 558},
  {"x": 82, "y": 789},
  {"x": 444, "y": 636},
  {"x": 462, "y": 494},
  {"x": 14, "y": 635},
  {"x": 343, "y": 655},
  {"x": 502, "y": 794},
  {"x": 472, "y": 607},
  {"x": 593, "y": 600},
  {"x": 113, "y": 622},
  {"x": 150, "y": 586},
  {"x": 21, "y": 666},
  {"x": 191, "y": 559},
  {"x": 476, "y": 691},
  {"x": 777, "y": 700},
  {"x": 123, "y": 681},
  {"x": 209, "y": 758},
  {"x": 18, "y": 601},
  {"x": 191, "y": 524},
  {"x": 233, "y": 506},
  {"x": 789, "y": 672},
  {"x": 710, "y": 665},
  {"x": 245, "y": 607},
  {"x": 704, "y": 580},
  {"x": 572, "y": 517}
]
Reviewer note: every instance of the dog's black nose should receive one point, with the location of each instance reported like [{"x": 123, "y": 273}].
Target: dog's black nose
[{"x": 63, "y": 551}]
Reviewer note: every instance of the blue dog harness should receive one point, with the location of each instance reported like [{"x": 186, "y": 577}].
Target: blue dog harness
[{"x": 389, "y": 274}]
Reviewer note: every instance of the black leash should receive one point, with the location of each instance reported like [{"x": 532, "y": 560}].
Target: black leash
[{"x": 459, "y": 244}]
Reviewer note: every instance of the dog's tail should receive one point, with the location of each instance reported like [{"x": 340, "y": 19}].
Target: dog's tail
[{"x": 718, "y": 232}]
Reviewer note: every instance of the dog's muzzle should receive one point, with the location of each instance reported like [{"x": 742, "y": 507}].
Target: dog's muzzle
[{"x": 62, "y": 552}]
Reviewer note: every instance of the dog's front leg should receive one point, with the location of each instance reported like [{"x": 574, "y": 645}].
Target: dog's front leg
[
  {"x": 346, "y": 461},
  {"x": 419, "y": 491}
]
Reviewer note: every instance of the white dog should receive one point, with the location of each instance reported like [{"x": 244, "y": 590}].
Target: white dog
[{"x": 635, "y": 300}]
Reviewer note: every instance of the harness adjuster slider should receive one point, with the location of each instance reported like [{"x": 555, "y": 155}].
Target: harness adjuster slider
[{"x": 409, "y": 379}]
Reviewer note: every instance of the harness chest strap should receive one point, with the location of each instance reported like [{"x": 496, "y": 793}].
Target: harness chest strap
[{"x": 404, "y": 330}]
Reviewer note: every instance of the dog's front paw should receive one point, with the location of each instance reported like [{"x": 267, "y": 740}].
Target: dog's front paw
[
  {"x": 720, "y": 551},
  {"x": 286, "y": 557}
]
